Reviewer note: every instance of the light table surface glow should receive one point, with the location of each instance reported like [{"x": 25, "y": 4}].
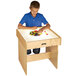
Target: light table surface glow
[{"x": 26, "y": 35}]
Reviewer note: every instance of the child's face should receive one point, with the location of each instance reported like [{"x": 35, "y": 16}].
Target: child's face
[{"x": 34, "y": 11}]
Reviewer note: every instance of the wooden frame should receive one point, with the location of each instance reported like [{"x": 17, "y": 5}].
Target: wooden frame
[{"x": 51, "y": 50}]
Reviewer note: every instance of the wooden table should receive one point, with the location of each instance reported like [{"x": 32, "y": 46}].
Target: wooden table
[{"x": 26, "y": 41}]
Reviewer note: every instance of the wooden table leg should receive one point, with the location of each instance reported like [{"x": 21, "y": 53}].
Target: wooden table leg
[
  {"x": 54, "y": 56},
  {"x": 22, "y": 56}
]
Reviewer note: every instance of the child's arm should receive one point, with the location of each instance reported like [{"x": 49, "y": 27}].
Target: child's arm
[
  {"x": 20, "y": 26},
  {"x": 46, "y": 27},
  {"x": 43, "y": 28}
]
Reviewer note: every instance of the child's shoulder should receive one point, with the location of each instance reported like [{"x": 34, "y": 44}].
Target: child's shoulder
[
  {"x": 27, "y": 14},
  {"x": 40, "y": 14}
]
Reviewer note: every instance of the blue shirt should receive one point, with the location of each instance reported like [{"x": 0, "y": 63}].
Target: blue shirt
[{"x": 33, "y": 21}]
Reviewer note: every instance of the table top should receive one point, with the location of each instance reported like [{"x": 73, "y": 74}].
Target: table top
[{"x": 26, "y": 35}]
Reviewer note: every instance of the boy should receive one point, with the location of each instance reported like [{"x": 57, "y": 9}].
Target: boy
[{"x": 33, "y": 19}]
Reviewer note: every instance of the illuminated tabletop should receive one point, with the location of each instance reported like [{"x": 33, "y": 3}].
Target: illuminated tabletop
[
  {"x": 43, "y": 36},
  {"x": 27, "y": 41}
]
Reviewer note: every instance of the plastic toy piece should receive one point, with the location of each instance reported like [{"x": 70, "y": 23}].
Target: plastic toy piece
[
  {"x": 46, "y": 33},
  {"x": 34, "y": 33},
  {"x": 35, "y": 30}
]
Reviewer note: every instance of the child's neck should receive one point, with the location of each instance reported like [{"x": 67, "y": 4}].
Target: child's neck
[{"x": 33, "y": 15}]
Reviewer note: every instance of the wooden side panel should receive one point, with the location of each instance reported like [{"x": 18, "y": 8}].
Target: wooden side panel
[
  {"x": 22, "y": 40},
  {"x": 22, "y": 56},
  {"x": 54, "y": 56}
]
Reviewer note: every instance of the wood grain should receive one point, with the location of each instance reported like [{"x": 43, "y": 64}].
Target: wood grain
[
  {"x": 22, "y": 56},
  {"x": 54, "y": 55}
]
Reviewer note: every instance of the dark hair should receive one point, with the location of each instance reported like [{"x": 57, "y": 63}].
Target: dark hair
[{"x": 35, "y": 4}]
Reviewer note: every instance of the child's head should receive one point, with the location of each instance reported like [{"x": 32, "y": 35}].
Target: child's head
[{"x": 34, "y": 7}]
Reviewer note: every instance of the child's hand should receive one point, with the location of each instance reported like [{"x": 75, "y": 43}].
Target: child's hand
[
  {"x": 34, "y": 27},
  {"x": 39, "y": 31}
]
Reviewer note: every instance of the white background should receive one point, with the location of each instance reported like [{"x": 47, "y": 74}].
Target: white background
[{"x": 61, "y": 14}]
